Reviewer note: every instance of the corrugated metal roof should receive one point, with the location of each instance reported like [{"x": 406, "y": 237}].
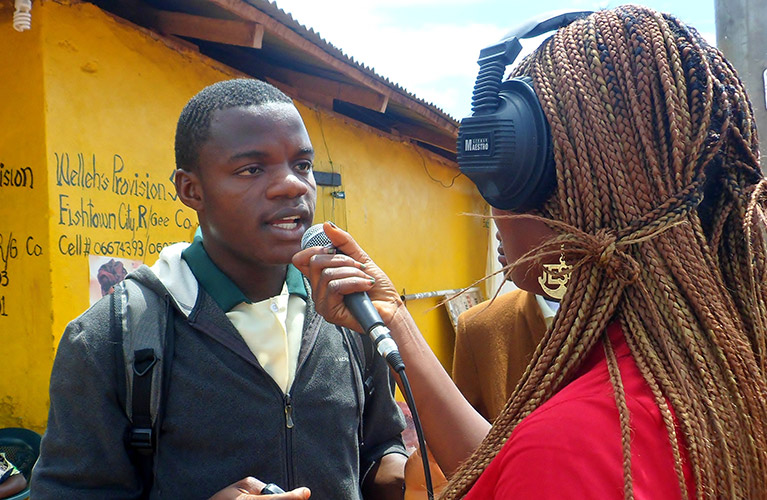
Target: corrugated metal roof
[
  {"x": 296, "y": 57},
  {"x": 284, "y": 17}
]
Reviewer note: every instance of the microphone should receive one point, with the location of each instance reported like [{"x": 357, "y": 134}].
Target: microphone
[
  {"x": 360, "y": 306},
  {"x": 366, "y": 314}
]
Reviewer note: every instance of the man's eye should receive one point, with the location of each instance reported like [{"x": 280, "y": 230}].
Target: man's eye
[
  {"x": 304, "y": 166},
  {"x": 250, "y": 171}
]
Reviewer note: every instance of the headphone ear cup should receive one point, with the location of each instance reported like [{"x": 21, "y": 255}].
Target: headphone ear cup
[
  {"x": 513, "y": 169},
  {"x": 533, "y": 157},
  {"x": 505, "y": 146}
]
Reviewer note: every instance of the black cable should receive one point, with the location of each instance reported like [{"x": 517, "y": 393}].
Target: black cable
[
  {"x": 423, "y": 162},
  {"x": 418, "y": 430}
]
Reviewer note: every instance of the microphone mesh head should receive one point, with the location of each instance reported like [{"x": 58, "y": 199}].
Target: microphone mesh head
[{"x": 315, "y": 237}]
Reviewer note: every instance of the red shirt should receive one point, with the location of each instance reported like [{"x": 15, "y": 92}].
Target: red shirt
[{"x": 570, "y": 447}]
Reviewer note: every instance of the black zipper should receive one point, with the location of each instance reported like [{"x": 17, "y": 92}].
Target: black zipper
[
  {"x": 309, "y": 328},
  {"x": 288, "y": 403}
]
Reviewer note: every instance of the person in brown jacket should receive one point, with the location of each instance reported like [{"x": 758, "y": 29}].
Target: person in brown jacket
[{"x": 494, "y": 342}]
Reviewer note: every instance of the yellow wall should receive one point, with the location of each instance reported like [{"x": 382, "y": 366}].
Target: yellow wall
[
  {"x": 89, "y": 103},
  {"x": 25, "y": 281},
  {"x": 400, "y": 209}
]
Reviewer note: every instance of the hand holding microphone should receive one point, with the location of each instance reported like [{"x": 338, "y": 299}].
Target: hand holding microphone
[{"x": 344, "y": 280}]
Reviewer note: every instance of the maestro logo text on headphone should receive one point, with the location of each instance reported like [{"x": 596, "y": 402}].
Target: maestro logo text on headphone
[{"x": 505, "y": 147}]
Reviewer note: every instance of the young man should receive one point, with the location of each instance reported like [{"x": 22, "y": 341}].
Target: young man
[{"x": 260, "y": 384}]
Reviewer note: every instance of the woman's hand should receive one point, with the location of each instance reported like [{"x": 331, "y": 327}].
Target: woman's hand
[
  {"x": 250, "y": 488},
  {"x": 452, "y": 426},
  {"x": 334, "y": 274}
]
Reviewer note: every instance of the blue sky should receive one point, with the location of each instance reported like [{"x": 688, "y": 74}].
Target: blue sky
[{"x": 430, "y": 47}]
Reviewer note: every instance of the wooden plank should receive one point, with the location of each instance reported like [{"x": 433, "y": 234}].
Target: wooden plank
[
  {"x": 355, "y": 94},
  {"x": 231, "y": 32},
  {"x": 423, "y": 134}
]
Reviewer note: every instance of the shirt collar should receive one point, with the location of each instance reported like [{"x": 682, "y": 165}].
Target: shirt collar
[
  {"x": 549, "y": 308},
  {"x": 295, "y": 281},
  {"x": 220, "y": 287}
]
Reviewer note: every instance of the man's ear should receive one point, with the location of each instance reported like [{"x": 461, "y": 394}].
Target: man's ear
[{"x": 188, "y": 188}]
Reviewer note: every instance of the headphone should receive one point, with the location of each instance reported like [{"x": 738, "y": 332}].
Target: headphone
[{"x": 505, "y": 146}]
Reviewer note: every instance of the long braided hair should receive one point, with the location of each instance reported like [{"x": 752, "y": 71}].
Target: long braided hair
[{"x": 659, "y": 210}]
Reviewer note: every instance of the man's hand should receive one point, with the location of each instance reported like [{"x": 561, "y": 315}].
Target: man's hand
[
  {"x": 250, "y": 489},
  {"x": 386, "y": 479}
]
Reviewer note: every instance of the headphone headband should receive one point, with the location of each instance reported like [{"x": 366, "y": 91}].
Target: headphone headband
[{"x": 550, "y": 21}]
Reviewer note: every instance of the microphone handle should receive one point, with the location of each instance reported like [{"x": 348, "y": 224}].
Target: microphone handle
[
  {"x": 366, "y": 314},
  {"x": 363, "y": 310}
]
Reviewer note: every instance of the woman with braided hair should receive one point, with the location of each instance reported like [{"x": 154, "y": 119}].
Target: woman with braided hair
[{"x": 650, "y": 383}]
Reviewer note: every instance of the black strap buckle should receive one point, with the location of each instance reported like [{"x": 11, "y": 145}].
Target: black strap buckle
[
  {"x": 145, "y": 359},
  {"x": 141, "y": 439}
]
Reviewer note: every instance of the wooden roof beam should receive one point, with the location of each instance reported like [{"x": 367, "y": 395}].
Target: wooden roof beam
[
  {"x": 355, "y": 94},
  {"x": 231, "y": 32},
  {"x": 423, "y": 134}
]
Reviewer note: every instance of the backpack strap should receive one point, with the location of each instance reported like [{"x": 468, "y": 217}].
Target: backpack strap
[
  {"x": 368, "y": 349},
  {"x": 144, "y": 321},
  {"x": 362, "y": 349}
]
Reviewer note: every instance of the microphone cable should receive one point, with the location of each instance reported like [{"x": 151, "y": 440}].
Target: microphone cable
[
  {"x": 363, "y": 310},
  {"x": 399, "y": 366}
]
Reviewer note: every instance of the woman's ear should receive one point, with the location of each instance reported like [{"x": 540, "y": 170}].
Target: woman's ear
[{"x": 188, "y": 188}]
